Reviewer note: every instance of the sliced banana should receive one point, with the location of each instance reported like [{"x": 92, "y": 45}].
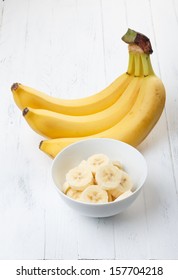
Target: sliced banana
[
  {"x": 124, "y": 195},
  {"x": 94, "y": 194},
  {"x": 110, "y": 197},
  {"x": 125, "y": 185},
  {"x": 65, "y": 187},
  {"x": 83, "y": 163},
  {"x": 74, "y": 194},
  {"x": 115, "y": 193},
  {"x": 108, "y": 177},
  {"x": 118, "y": 164},
  {"x": 98, "y": 180},
  {"x": 96, "y": 161},
  {"x": 79, "y": 178},
  {"x": 126, "y": 182}
]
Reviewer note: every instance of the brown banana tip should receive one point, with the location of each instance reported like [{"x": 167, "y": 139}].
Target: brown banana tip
[
  {"x": 134, "y": 37},
  {"x": 41, "y": 143},
  {"x": 25, "y": 111},
  {"x": 14, "y": 86}
]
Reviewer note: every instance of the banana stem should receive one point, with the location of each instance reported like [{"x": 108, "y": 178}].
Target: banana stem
[
  {"x": 139, "y": 64},
  {"x": 139, "y": 53},
  {"x": 139, "y": 39},
  {"x": 130, "y": 69},
  {"x": 151, "y": 71},
  {"x": 147, "y": 67}
]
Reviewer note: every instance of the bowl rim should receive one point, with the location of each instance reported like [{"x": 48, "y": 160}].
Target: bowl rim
[{"x": 103, "y": 203}]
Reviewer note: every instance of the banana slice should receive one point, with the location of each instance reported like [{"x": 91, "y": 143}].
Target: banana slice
[
  {"x": 83, "y": 163},
  {"x": 65, "y": 187},
  {"x": 96, "y": 161},
  {"x": 108, "y": 177},
  {"x": 125, "y": 185},
  {"x": 94, "y": 194},
  {"x": 74, "y": 194},
  {"x": 124, "y": 195},
  {"x": 115, "y": 193},
  {"x": 110, "y": 197},
  {"x": 126, "y": 182},
  {"x": 118, "y": 164},
  {"x": 79, "y": 178}
]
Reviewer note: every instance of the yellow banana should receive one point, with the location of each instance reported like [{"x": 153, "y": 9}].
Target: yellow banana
[
  {"x": 54, "y": 125},
  {"x": 134, "y": 127},
  {"x": 126, "y": 110},
  {"x": 28, "y": 97}
]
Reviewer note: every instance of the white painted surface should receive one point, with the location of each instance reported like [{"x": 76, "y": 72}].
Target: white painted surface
[{"x": 71, "y": 49}]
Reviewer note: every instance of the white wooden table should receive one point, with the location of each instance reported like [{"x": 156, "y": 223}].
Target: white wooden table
[{"x": 71, "y": 49}]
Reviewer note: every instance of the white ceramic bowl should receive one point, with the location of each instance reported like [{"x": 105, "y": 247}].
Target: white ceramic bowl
[{"x": 133, "y": 161}]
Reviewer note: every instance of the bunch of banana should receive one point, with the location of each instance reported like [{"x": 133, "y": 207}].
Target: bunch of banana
[{"x": 126, "y": 110}]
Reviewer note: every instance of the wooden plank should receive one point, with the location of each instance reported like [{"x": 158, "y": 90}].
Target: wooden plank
[
  {"x": 160, "y": 202},
  {"x": 61, "y": 227},
  {"x": 175, "y": 9},
  {"x": 21, "y": 202},
  {"x": 114, "y": 23},
  {"x": 165, "y": 246},
  {"x": 1, "y": 13},
  {"x": 130, "y": 228},
  {"x": 168, "y": 69}
]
